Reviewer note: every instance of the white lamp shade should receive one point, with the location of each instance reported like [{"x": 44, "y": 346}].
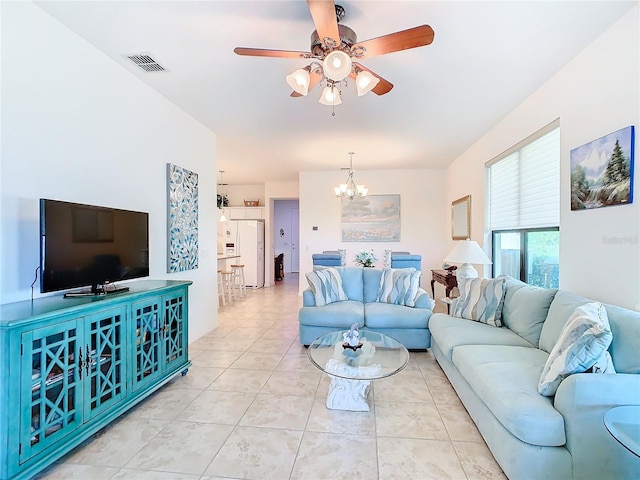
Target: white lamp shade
[
  {"x": 365, "y": 81},
  {"x": 467, "y": 251},
  {"x": 299, "y": 80},
  {"x": 337, "y": 65},
  {"x": 330, "y": 96}
]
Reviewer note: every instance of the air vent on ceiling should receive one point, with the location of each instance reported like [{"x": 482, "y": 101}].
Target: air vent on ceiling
[{"x": 146, "y": 62}]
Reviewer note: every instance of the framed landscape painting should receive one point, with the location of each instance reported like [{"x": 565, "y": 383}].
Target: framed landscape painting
[
  {"x": 602, "y": 171},
  {"x": 374, "y": 218}
]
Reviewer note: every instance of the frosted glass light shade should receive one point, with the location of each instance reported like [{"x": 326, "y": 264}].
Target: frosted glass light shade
[
  {"x": 336, "y": 65},
  {"x": 299, "y": 80},
  {"x": 330, "y": 96},
  {"x": 365, "y": 82}
]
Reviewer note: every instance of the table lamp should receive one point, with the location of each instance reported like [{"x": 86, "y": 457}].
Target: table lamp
[{"x": 467, "y": 252}]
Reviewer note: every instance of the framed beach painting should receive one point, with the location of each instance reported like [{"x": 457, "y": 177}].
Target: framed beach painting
[
  {"x": 602, "y": 171},
  {"x": 374, "y": 218}
]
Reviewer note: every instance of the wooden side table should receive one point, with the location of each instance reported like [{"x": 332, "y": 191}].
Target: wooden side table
[{"x": 445, "y": 278}]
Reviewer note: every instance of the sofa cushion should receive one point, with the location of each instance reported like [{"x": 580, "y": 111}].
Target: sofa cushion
[
  {"x": 371, "y": 280},
  {"x": 387, "y": 315},
  {"x": 481, "y": 300},
  {"x": 399, "y": 286},
  {"x": 625, "y": 327},
  {"x": 506, "y": 378},
  {"x": 326, "y": 285},
  {"x": 582, "y": 343},
  {"x": 525, "y": 308},
  {"x": 562, "y": 307},
  {"x": 339, "y": 314},
  {"x": 449, "y": 332}
]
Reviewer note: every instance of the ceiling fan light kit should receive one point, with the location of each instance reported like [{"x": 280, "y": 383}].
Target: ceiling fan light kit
[{"x": 333, "y": 49}]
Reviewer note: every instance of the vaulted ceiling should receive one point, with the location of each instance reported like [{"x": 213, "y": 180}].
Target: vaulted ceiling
[{"x": 486, "y": 58}]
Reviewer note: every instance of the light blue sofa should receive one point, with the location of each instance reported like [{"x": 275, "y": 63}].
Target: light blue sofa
[
  {"x": 408, "y": 325},
  {"x": 495, "y": 372}
]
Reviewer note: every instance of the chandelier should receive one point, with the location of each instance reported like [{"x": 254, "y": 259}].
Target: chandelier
[
  {"x": 222, "y": 198},
  {"x": 350, "y": 189},
  {"x": 335, "y": 67}
]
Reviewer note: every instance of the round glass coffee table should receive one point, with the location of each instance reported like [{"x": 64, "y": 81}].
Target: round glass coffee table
[{"x": 351, "y": 371}]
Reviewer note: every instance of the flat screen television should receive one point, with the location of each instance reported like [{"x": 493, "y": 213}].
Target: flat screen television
[{"x": 91, "y": 246}]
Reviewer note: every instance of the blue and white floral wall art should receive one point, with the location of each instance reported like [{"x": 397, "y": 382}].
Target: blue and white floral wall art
[
  {"x": 182, "y": 219},
  {"x": 602, "y": 171}
]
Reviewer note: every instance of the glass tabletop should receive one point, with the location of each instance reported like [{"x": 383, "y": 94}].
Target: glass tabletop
[
  {"x": 623, "y": 423},
  {"x": 380, "y": 356}
]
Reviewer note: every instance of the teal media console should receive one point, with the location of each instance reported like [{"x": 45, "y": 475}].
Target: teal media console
[{"x": 69, "y": 366}]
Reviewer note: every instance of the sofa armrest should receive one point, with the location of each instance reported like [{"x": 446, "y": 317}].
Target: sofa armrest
[
  {"x": 582, "y": 400},
  {"x": 424, "y": 300},
  {"x": 308, "y": 298}
]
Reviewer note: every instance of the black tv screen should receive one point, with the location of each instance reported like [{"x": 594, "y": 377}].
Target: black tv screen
[{"x": 91, "y": 246}]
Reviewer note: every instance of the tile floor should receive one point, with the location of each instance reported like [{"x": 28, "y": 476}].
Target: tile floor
[{"x": 252, "y": 407}]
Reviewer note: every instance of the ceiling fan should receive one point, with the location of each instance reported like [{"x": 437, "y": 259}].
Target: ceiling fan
[{"x": 334, "y": 51}]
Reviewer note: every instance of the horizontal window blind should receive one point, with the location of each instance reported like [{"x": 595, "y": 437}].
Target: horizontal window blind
[{"x": 524, "y": 185}]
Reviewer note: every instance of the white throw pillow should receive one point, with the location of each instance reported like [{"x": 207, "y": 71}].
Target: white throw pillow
[
  {"x": 326, "y": 285},
  {"x": 399, "y": 286},
  {"x": 582, "y": 344},
  {"x": 481, "y": 300}
]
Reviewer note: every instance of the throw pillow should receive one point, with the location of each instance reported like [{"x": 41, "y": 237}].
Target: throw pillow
[
  {"x": 480, "y": 300},
  {"x": 583, "y": 341},
  {"x": 399, "y": 286},
  {"x": 326, "y": 285}
]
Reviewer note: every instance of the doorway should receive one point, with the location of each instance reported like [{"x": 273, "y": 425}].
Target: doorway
[{"x": 286, "y": 233}]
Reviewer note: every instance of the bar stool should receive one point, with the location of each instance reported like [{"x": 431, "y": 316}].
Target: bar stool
[
  {"x": 227, "y": 285},
  {"x": 221, "y": 288},
  {"x": 238, "y": 279}
]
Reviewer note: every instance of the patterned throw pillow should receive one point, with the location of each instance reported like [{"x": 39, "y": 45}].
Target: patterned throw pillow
[
  {"x": 583, "y": 343},
  {"x": 399, "y": 286},
  {"x": 326, "y": 285},
  {"x": 481, "y": 300}
]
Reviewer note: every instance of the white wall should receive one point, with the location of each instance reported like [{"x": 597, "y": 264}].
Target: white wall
[
  {"x": 78, "y": 127},
  {"x": 422, "y": 200},
  {"x": 595, "y": 94}
]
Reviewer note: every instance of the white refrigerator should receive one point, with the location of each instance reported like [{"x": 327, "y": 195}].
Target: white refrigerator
[{"x": 247, "y": 238}]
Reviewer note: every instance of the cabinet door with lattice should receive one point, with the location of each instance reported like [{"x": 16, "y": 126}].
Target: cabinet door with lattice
[
  {"x": 104, "y": 362},
  {"x": 175, "y": 329},
  {"x": 50, "y": 385},
  {"x": 148, "y": 328}
]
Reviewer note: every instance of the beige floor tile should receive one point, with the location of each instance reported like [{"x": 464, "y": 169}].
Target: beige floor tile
[
  {"x": 65, "y": 471},
  {"x": 203, "y": 343},
  {"x": 292, "y": 383},
  {"x": 258, "y": 361},
  {"x": 215, "y": 358},
  {"x": 459, "y": 424},
  {"x": 198, "y": 378},
  {"x": 217, "y": 407},
  {"x": 116, "y": 444},
  {"x": 442, "y": 391},
  {"x": 256, "y": 453},
  {"x": 401, "y": 389},
  {"x": 278, "y": 411},
  {"x": 131, "y": 474},
  {"x": 410, "y": 420},
  {"x": 324, "y": 456},
  {"x": 166, "y": 403},
  {"x": 323, "y": 419},
  {"x": 182, "y": 447},
  {"x": 478, "y": 462},
  {"x": 418, "y": 459},
  {"x": 296, "y": 361},
  {"x": 234, "y": 344},
  {"x": 271, "y": 345},
  {"x": 241, "y": 380}
]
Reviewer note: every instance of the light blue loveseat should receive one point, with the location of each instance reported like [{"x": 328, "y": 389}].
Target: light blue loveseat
[
  {"x": 408, "y": 325},
  {"x": 495, "y": 372}
]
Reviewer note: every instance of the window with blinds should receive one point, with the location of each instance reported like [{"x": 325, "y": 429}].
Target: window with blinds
[
  {"x": 524, "y": 185},
  {"x": 524, "y": 209}
]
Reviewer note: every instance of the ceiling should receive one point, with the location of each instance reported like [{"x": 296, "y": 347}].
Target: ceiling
[{"x": 486, "y": 58}]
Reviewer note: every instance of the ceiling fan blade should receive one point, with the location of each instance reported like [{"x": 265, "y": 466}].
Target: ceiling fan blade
[
  {"x": 260, "y": 52},
  {"x": 314, "y": 79},
  {"x": 323, "y": 13},
  {"x": 394, "y": 42},
  {"x": 383, "y": 86}
]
